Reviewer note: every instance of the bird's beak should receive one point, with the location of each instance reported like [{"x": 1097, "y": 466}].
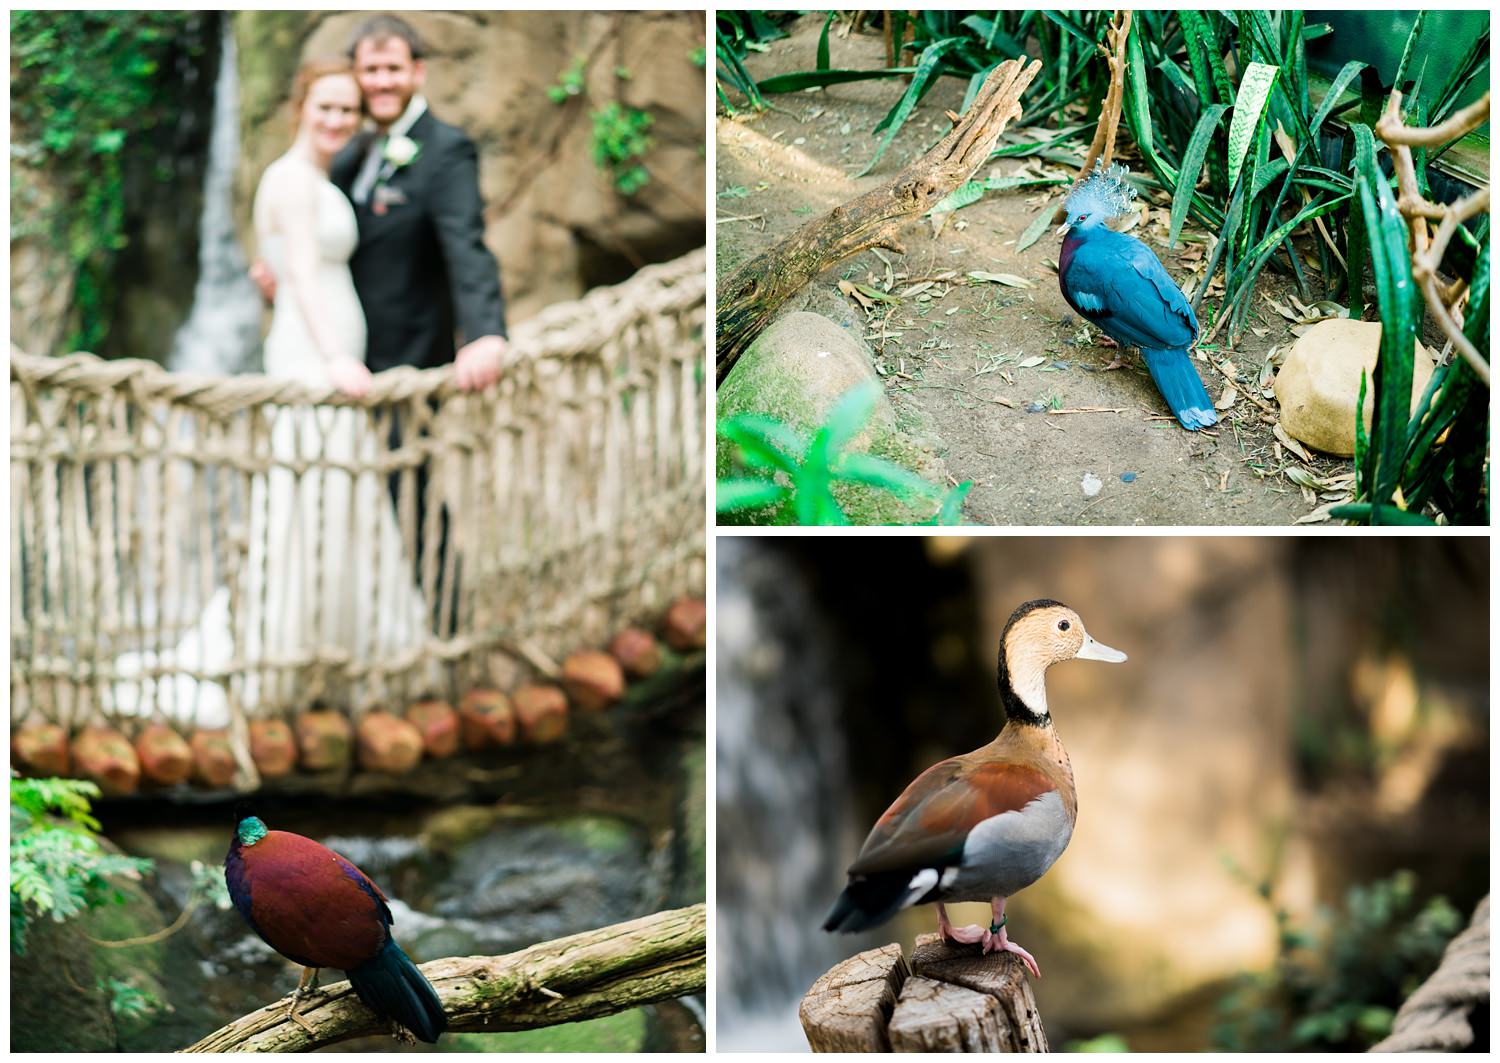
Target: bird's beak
[
  {"x": 1097, "y": 651},
  {"x": 1062, "y": 230}
]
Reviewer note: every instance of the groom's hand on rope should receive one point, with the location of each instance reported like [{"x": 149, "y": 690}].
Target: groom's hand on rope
[
  {"x": 351, "y": 377},
  {"x": 477, "y": 364}
]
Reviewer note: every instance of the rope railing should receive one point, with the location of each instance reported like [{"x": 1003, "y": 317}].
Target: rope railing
[{"x": 199, "y": 550}]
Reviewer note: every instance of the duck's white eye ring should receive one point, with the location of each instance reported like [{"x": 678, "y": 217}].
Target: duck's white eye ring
[{"x": 1063, "y": 625}]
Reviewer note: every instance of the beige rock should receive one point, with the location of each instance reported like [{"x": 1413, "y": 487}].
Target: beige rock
[{"x": 1318, "y": 386}]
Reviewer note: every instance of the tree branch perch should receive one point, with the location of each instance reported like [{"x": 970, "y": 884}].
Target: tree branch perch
[{"x": 599, "y": 972}]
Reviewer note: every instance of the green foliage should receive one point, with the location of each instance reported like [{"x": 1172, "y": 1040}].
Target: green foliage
[
  {"x": 57, "y": 866},
  {"x": 737, "y": 34},
  {"x": 1105, "y": 1042},
  {"x": 1339, "y": 990},
  {"x": 127, "y": 1002},
  {"x": 569, "y": 82},
  {"x": 1436, "y": 456},
  {"x": 89, "y": 90},
  {"x": 787, "y": 470},
  {"x": 621, "y": 137}
]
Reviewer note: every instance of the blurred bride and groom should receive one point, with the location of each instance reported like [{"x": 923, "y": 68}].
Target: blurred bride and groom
[{"x": 372, "y": 256}]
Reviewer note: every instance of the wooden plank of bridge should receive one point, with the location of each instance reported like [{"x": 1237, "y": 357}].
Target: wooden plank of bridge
[
  {"x": 848, "y": 1008},
  {"x": 949, "y": 999}
]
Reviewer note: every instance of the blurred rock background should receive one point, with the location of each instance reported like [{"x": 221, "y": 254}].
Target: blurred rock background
[{"x": 1298, "y": 718}]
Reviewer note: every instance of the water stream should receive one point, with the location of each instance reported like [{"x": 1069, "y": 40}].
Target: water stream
[
  {"x": 222, "y": 331},
  {"x": 782, "y": 790}
]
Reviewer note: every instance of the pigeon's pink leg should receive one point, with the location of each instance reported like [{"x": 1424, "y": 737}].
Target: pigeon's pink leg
[
  {"x": 999, "y": 942},
  {"x": 965, "y": 935},
  {"x": 1119, "y": 359}
]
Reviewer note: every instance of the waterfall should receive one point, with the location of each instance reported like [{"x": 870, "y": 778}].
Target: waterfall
[
  {"x": 782, "y": 795},
  {"x": 222, "y": 330}
]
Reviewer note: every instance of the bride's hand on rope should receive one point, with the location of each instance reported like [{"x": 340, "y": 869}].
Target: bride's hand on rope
[
  {"x": 350, "y": 376},
  {"x": 477, "y": 364}
]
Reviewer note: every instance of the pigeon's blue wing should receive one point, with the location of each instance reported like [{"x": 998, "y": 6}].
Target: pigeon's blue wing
[{"x": 1116, "y": 282}]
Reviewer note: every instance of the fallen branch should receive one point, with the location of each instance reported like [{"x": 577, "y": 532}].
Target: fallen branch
[
  {"x": 751, "y": 295},
  {"x": 599, "y": 972}
]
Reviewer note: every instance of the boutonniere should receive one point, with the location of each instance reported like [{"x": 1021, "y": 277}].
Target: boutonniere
[{"x": 401, "y": 151}]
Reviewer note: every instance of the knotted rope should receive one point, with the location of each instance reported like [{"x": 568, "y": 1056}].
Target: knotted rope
[
  {"x": 536, "y": 518},
  {"x": 1436, "y": 1017}
]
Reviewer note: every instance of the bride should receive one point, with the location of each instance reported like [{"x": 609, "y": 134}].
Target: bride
[{"x": 326, "y": 577}]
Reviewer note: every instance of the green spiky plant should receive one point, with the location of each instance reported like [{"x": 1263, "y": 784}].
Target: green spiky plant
[{"x": 793, "y": 477}]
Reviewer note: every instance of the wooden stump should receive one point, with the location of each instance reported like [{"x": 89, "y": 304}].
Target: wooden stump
[
  {"x": 950, "y": 999},
  {"x": 849, "y": 1008}
]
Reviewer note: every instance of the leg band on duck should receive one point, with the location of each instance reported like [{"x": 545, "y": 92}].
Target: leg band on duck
[{"x": 996, "y": 927}]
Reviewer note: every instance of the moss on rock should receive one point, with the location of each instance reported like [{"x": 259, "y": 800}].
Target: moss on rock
[{"x": 796, "y": 371}]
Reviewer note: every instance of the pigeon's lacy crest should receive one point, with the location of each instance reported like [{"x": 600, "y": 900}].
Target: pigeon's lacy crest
[{"x": 1105, "y": 192}]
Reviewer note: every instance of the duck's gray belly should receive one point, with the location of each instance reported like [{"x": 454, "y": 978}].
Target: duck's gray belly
[{"x": 1008, "y": 852}]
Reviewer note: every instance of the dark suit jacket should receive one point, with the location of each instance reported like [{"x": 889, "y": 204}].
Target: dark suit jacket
[{"x": 421, "y": 268}]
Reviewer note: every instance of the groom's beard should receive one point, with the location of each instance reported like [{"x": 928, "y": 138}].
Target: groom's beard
[{"x": 404, "y": 99}]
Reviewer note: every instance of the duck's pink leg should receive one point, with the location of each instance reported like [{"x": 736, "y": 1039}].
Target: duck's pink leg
[
  {"x": 999, "y": 942},
  {"x": 963, "y": 935}
]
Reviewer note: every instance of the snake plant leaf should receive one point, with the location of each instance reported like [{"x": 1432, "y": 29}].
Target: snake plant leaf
[
  {"x": 1346, "y": 74},
  {"x": 1391, "y": 260},
  {"x": 1192, "y": 162},
  {"x": 1255, "y": 89},
  {"x": 927, "y": 66}
]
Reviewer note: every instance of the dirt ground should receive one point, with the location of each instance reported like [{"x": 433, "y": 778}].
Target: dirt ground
[{"x": 967, "y": 360}]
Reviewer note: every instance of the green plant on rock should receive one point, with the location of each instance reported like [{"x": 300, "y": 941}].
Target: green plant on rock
[
  {"x": 569, "y": 82},
  {"x": 789, "y": 471},
  {"x": 89, "y": 90},
  {"x": 621, "y": 137},
  {"x": 58, "y": 868},
  {"x": 1339, "y": 990}
]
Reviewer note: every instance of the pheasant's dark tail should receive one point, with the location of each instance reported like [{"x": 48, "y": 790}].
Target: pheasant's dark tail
[
  {"x": 869, "y": 901},
  {"x": 391, "y": 986},
  {"x": 1181, "y": 386}
]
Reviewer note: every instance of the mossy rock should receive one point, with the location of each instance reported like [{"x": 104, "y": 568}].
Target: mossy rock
[
  {"x": 601, "y": 834},
  {"x": 63, "y": 972},
  {"x": 796, "y": 371}
]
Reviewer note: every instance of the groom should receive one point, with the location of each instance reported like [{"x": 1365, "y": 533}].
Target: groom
[{"x": 421, "y": 268}]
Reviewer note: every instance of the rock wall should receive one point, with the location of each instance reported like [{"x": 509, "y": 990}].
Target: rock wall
[{"x": 554, "y": 220}]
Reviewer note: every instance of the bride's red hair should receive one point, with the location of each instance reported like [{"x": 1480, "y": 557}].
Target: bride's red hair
[{"x": 313, "y": 71}]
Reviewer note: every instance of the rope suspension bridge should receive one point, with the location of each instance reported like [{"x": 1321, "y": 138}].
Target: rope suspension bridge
[{"x": 530, "y": 525}]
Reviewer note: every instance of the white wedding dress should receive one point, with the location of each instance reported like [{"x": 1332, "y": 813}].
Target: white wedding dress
[{"x": 326, "y": 572}]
